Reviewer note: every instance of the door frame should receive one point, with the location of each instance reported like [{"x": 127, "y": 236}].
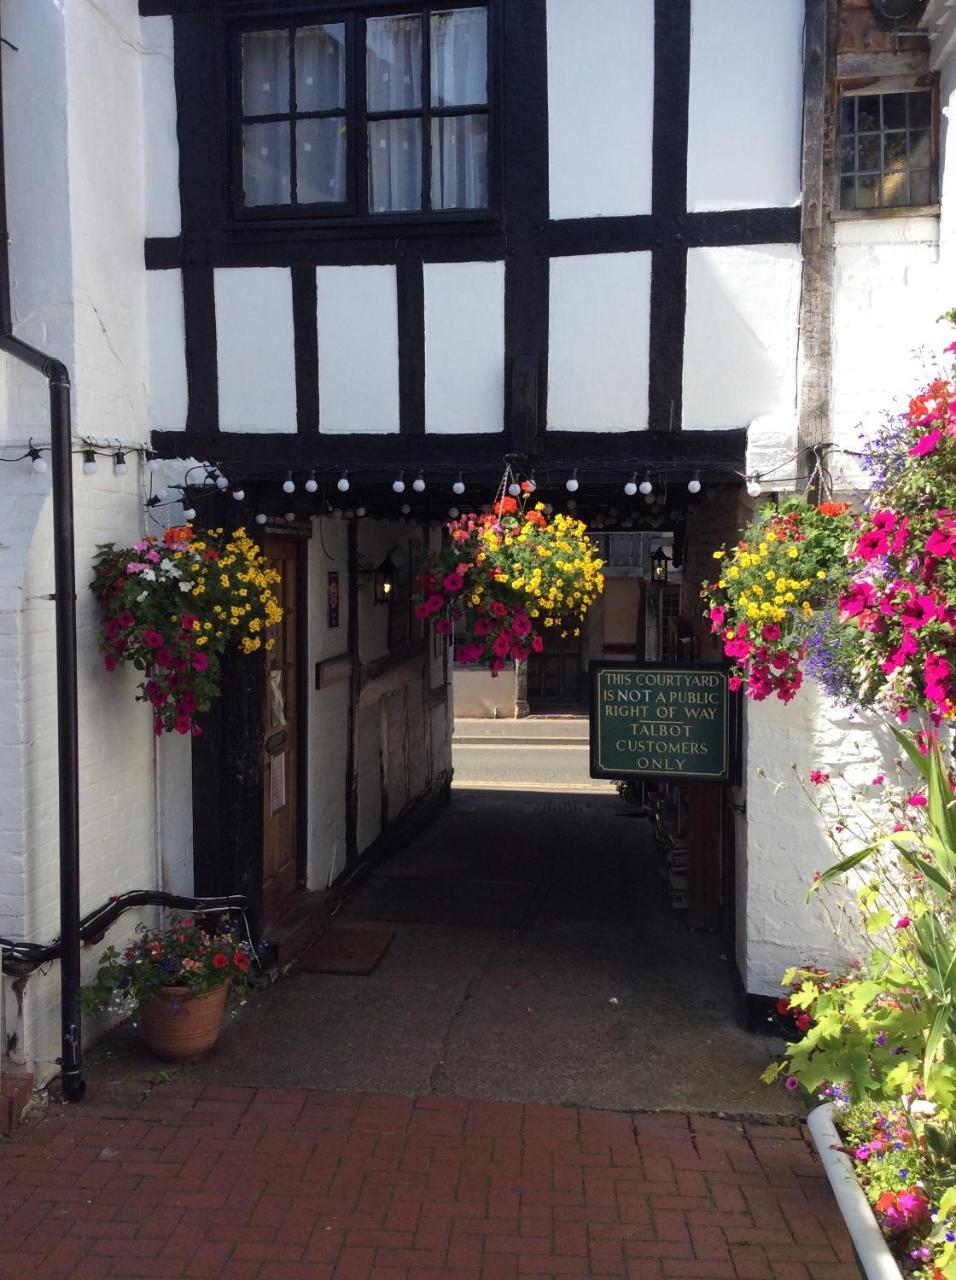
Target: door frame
[{"x": 227, "y": 781}]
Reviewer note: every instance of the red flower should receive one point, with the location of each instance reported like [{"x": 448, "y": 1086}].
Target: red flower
[
  {"x": 833, "y": 508},
  {"x": 219, "y": 961},
  {"x": 240, "y": 960},
  {"x": 506, "y": 506}
]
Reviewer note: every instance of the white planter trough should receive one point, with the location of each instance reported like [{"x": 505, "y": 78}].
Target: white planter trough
[{"x": 872, "y": 1251}]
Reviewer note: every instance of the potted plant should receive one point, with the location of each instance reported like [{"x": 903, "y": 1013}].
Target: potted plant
[
  {"x": 510, "y": 577},
  {"x": 176, "y": 981}
]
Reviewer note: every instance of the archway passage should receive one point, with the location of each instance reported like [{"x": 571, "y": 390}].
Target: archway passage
[{"x": 536, "y": 957}]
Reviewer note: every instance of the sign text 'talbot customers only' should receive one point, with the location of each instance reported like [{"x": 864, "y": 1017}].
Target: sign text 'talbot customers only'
[{"x": 653, "y": 721}]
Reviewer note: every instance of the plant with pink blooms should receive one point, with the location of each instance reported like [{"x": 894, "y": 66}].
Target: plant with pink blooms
[
  {"x": 787, "y": 564},
  {"x": 171, "y": 608},
  {"x": 509, "y": 578},
  {"x": 901, "y": 596}
]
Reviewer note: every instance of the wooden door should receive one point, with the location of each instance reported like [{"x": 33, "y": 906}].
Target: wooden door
[{"x": 280, "y": 737}]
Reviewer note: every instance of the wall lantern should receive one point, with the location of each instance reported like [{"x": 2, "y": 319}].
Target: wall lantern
[
  {"x": 384, "y": 578},
  {"x": 659, "y": 561}
]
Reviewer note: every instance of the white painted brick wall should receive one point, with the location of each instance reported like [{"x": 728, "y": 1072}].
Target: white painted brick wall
[{"x": 117, "y": 799}]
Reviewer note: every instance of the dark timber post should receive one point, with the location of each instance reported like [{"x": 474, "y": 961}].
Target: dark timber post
[{"x": 816, "y": 301}]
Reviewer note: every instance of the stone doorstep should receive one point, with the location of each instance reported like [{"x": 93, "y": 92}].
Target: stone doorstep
[
  {"x": 299, "y": 923},
  {"x": 15, "y": 1092}
]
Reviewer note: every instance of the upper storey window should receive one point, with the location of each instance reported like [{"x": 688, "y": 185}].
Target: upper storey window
[
  {"x": 366, "y": 115},
  {"x": 887, "y": 150}
]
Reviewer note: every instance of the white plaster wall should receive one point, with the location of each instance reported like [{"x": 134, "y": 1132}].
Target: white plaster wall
[
  {"x": 358, "y": 349},
  {"x": 255, "y": 344},
  {"x": 598, "y": 347},
  {"x": 746, "y": 104},
  {"x": 174, "y": 814},
  {"x": 600, "y": 107},
  {"x": 168, "y": 398},
  {"x": 464, "y": 346},
  {"x": 740, "y": 343},
  {"x": 785, "y": 839},
  {"x": 38, "y": 204},
  {"x": 890, "y": 286},
  {"x": 107, "y": 203},
  {"x": 160, "y": 144}
]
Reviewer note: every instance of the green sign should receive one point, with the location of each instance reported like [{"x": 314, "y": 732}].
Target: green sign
[{"x": 652, "y": 721}]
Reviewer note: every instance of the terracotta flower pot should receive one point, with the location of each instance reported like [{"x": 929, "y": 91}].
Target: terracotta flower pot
[{"x": 180, "y": 1025}]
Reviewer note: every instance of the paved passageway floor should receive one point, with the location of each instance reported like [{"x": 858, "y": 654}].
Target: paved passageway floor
[
  {"x": 534, "y": 1093},
  {"x": 227, "y": 1183},
  {"x": 581, "y": 986}
]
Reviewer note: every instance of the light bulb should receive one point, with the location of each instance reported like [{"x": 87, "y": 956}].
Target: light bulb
[
  {"x": 360, "y": 511},
  {"x": 119, "y": 463},
  {"x": 337, "y": 513},
  {"x": 290, "y": 516},
  {"x": 459, "y": 485},
  {"x": 350, "y": 513},
  {"x": 646, "y": 486},
  {"x": 532, "y": 483},
  {"x": 405, "y": 509},
  {"x": 239, "y": 494},
  {"x": 152, "y": 462},
  {"x": 418, "y": 484},
  {"x": 649, "y": 498},
  {"x": 398, "y": 484},
  {"x": 548, "y": 509},
  {"x": 572, "y": 505},
  {"x": 222, "y": 481},
  {"x": 311, "y": 485},
  {"x": 631, "y": 487},
  {"x": 288, "y": 484},
  {"x": 753, "y": 486},
  {"x": 342, "y": 484},
  {"x": 37, "y": 460},
  {"x": 571, "y": 484},
  {"x": 189, "y": 513},
  {"x": 514, "y": 489},
  {"x": 693, "y": 484},
  {"x": 261, "y": 517},
  {"x": 89, "y": 462},
  {"x": 454, "y": 512}
]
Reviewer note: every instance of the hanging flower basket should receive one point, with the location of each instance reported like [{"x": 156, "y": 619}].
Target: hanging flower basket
[
  {"x": 509, "y": 579},
  {"x": 171, "y": 609},
  {"x": 788, "y": 563}
]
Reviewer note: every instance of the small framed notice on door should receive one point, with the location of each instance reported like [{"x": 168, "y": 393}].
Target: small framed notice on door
[
  {"x": 277, "y": 782},
  {"x": 333, "y": 599}
]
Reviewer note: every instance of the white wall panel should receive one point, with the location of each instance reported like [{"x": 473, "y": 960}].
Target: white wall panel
[
  {"x": 601, "y": 106},
  {"x": 160, "y": 143},
  {"x": 599, "y": 332},
  {"x": 255, "y": 343},
  {"x": 741, "y": 334},
  {"x": 167, "y": 398},
  {"x": 464, "y": 346},
  {"x": 746, "y": 102},
  {"x": 358, "y": 349}
]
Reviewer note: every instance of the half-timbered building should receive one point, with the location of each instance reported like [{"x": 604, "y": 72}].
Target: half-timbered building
[{"x": 351, "y": 258}]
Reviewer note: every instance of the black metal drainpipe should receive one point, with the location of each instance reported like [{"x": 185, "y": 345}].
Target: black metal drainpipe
[{"x": 64, "y": 577}]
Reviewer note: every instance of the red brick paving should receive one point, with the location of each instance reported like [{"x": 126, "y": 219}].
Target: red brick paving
[{"x": 213, "y": 1183}]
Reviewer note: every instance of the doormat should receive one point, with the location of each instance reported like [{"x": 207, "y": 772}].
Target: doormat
[
  {"x": 490, "y": 904},
  {"x": 342, "y": 949}
]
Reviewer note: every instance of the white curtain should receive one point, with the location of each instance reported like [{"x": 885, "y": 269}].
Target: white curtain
[
  {"x": 320, "y": 68},
  {"x": 393, "y": 68},
  {"x": 266, "y": 155},
  {"x": 459, "y": 75},
  {"x": 265, "y": 73},
  {"x": 459, "y": 58}
]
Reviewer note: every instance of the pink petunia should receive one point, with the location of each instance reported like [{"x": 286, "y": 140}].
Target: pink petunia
[
  {"x": 818, "y": 777},
  {"x": 453, "y": 582},
  {"x": 483, "y": 627},
  {"x": 199, "y": 662},
  {"x": 926, "y": 444},
  {"x": 498, "y": 609},
  {"x": 917, "y": 800},
  {"x": 771, "y": 631},
  {"x": 152, "y": 638}
]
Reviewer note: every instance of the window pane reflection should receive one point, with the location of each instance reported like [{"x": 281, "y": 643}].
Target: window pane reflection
[
  {"x": 394, "y": 165},
  {"x": 460, "y": 162},
  {"x": 265, "y": 73},
  {"x": 459, "y": 58},
  {"x": 393, "y": 63},
  {"x": 320, "y": 68},
  {"x": 320, "y": 161},
  {"x": 265, "y": 163}
]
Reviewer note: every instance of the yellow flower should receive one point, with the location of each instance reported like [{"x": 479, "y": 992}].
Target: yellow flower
[
  {"x": 792, "y": 553},
  {"x": 820, "y": 574},
  {"x": 719, "y": 555},
  {"x": 201, "y": 640}
]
